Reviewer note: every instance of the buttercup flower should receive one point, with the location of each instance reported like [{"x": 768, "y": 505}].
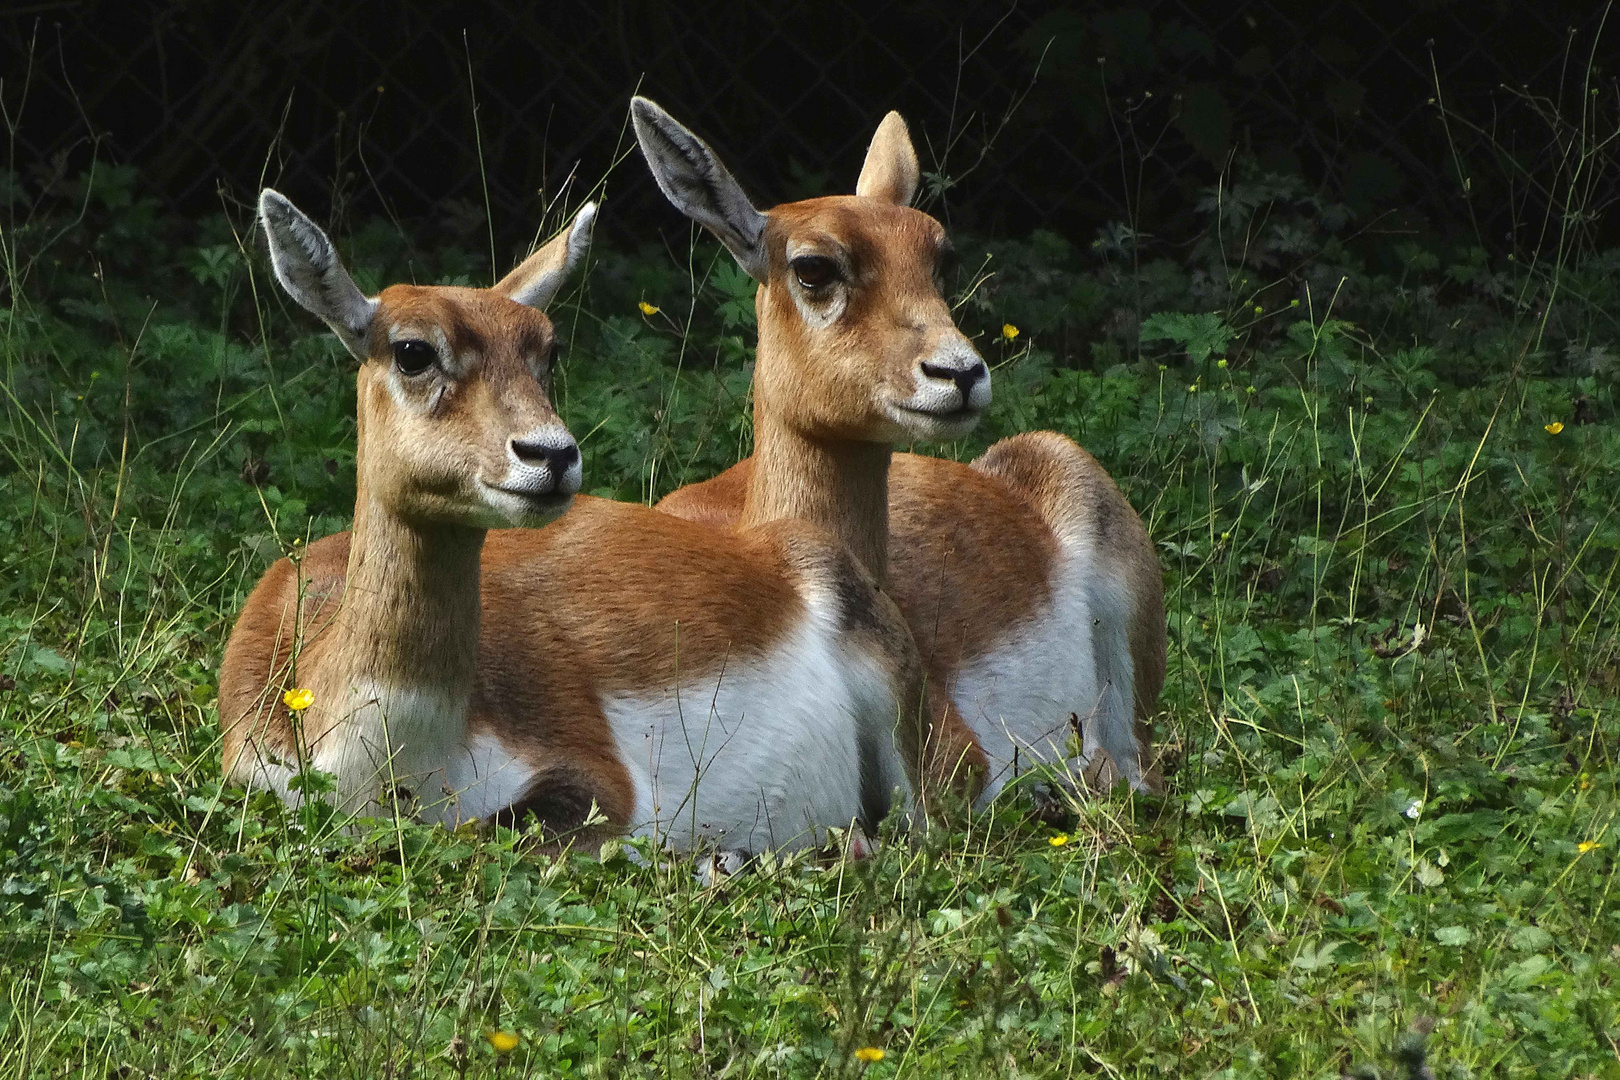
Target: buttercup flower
[
  {"x": 1586, "y": 846},
  {"x": 1008, "y": 331},
  {"x": 1221, "y": 363},
  {"x": 1555, "y": 427},
  {"x": 647, "y": 309},
  {"x": 504, "y": 1042},
  {"x": 869, "y": 1054},
  {"x": 298, "y": 700},
  {"x": 1059, "y": 840}
]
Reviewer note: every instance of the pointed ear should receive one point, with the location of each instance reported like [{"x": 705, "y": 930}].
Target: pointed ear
[
  {"x": 536, "y": 280},
  {"x": 891, "y": 170},
  {"x": 700, "y": 187},
  {"x": 307, "y": 266}
]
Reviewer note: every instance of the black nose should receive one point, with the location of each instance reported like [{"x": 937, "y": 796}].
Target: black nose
[
  {"x": 964, "y": 378},
  {"x": 559, "y": 459}
]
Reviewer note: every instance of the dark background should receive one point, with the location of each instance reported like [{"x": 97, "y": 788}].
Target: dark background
[{"x": 1122, "y": 113}]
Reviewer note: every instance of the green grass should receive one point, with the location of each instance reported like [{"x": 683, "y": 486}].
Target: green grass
[{"x": 1390, "y": 719}]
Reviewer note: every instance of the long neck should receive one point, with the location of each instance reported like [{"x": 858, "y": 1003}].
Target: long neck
[
  {"x": 410, "y": 614},
  {"x": 841, "y": 485}
]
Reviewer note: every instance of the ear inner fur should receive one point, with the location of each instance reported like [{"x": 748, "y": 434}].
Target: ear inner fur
[{"x": 890, "y": 171}]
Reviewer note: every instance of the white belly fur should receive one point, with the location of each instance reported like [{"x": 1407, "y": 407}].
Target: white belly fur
[
  {"x": 766, "y": 755},
  {"x": 416, "y": 738},
  {"x": 1072, "y": 659}
]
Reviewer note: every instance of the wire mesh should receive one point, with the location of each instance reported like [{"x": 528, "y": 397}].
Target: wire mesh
[{"x": 1027, "y": 115}]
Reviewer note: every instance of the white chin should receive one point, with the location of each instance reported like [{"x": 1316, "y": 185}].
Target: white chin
[
  {"x": 523, "y": 511},
  {"x": 932, "y": 427}
]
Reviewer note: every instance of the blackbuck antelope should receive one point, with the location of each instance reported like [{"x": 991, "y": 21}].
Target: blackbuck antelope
[
  {"x": 711, "y": 688},
  {"x": 1029, "y": 583}
]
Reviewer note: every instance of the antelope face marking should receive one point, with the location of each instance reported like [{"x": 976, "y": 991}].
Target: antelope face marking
[
  {"x": 455, "y": 386},
  {"x": 857, "y": 281}
]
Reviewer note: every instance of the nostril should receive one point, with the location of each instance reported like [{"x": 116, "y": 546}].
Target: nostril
[
  {"x": 964, "y": 378},
  {"x": 972, "y": 375},
  {"x": 563, "y": 458},
  {"x": 559, "y": 459}
]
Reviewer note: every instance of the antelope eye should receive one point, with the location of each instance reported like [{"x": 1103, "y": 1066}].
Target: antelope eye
[
  {"x": 413, "y": 357},
  {"x": 815, "y": 271},
  {"x": 945, "y": 267}
]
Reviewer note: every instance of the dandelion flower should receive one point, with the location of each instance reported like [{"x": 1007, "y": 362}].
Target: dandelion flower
[
  {"x": 298, "y": 700},
  {"x": 1555, "y": 427},
  {"x": 504, "y": 1042},
  {"x": 869, "y": 1054},
  {"x": 1009, "y": 331},
  {"x": 1059, "y": 840},
  {"x": 1587, "y": 846},
  {"x": 647, "y": 309}
]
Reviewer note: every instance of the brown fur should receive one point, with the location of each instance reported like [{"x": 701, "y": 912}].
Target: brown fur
[
  {"x": 535, "y": 626},
  {"x": 967, "y": 552}
]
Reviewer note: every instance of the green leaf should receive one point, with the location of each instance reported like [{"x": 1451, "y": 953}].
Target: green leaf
[{"x": 1454, "y": 935}]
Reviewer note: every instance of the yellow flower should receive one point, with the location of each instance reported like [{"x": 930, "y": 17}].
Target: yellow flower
[
  {"x": 1008, "y": 331},
  {"x": 1586, "y": 846},
  {"x": 1258, "y": 309},
  {"x": 1059, "y": 840},
  {"x": 870, "y": 1054},
  {"x": 1192, "y": 388},
  {"x": 647, "y": 309},
  {"x": 1555, "y": 427},
  {"x": 298, "y": 700},
  {"x": 504, "y": 1042},
  {"x": 1221, "y": 363}
]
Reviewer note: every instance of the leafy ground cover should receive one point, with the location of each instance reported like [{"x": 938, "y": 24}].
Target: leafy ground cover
[{"x": 1380, "y": 478}]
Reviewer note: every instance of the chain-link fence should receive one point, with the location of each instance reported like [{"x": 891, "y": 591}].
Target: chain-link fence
[{"x": 1036, "y": 114}]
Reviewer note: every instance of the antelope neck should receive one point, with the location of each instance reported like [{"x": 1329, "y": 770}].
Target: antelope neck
[
  {"x": 411, "y": 607},
  {"x": 839, "y": 484}
]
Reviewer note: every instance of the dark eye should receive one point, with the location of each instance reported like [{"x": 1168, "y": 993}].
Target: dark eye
[
  {"x": 413, "y": 357},
  {"x": 815, "y": 271}
]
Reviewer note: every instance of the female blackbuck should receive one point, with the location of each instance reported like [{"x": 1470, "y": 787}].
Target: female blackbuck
[
  {"x": 736, "y": 690},
  {"x": 1031, "y": 586}
]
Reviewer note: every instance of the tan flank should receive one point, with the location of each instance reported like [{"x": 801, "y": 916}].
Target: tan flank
[
  {"x": 713, "y": 688},
  {"x": 1029, "y": 583}
]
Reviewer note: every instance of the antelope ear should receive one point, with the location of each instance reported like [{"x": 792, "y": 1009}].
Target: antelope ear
[
  {"x": 890, "y": 171},
  {"x": 537, "y": 279},
  {"x": 308, "y": 267},
  {"x": 692, "y": 178}
]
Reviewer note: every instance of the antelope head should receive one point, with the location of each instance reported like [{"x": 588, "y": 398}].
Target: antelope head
[
  {"x": 856, "y": 340},
  {"x": 455, "y": 423}
]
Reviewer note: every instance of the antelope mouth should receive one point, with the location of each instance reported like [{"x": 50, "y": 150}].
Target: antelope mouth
[
  {"x": 939, "y": 422},
  {"x": 966, "y": 411},
  {"x": 549, "y": 504}
]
